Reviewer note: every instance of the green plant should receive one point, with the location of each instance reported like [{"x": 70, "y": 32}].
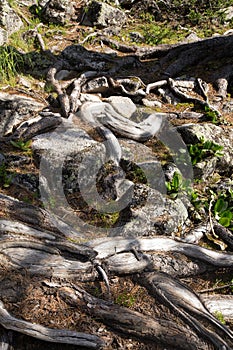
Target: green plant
[
  {"x": 125, "y": 299},
  {"x": 11, "y": 63},
  {"x": 204, "y": 149},
  {"x": 177, "y": 185},
  {"x": 5, "y": 177},
  {"x": 212, "y": 115},
  {"x": 24, "y": 146},
  {"x": 220, "y": 317},
  {"x": 36, "y": 9},
  {"x": 223, "y": 208}
]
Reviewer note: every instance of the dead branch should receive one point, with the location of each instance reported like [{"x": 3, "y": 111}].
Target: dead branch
[
  {"x": 184, "y": 301},
  {"x": 132, "y": 322},
  {"x": 48, "y": 334}
]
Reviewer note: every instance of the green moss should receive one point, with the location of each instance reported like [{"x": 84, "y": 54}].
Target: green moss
[
  {"x": 220, "y": 317},
  {"x": 125, "y": 299}
]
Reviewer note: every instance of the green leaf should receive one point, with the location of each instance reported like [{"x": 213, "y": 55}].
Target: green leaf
[
  {"x": 220, "y": 206},
  {"x": 224, "y": 221}
]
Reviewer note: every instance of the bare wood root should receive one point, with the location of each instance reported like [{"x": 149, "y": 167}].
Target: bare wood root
[
  {"x": 117, "y": 45},
  {"x": 219, "y": 304},
  {"x": 107, "y": 247},
  {"x": 184, "y": 301},
  {"x": 34, "y": 216},
  {"x": 62, "y": 96},
  {"x": 42, "y": 259},
  {"x": 186, "y": 97},
  {"x": 36, "y": 126},
  {"x": 92, "y": 113},
  {"x": 48, "y": 334},
  {"x": 132, "y": 322},
  {"x": 58, "y": 257},
  {"x": 225, "y": 234}
]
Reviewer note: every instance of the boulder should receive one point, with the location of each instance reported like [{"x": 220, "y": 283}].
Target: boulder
[
  {"x": 151, "y": 213},
  {"x": 223, "y": 136},
  {"x": 141, "y": 165},
  {"x": 9, "y": 20},
  {"x": 58, "y": 11},
  {"x": 102, "y": 15}
]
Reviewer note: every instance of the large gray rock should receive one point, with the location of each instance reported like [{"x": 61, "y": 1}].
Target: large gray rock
[
  {"x": 101, "y": 14},
  {"x": 9, "y": 20},
  {"x": 142, "y": 165},
  {"x": 15, "y": 109},
  {"x": 82, "y": 59},
  {"x": 58, "y": 11},
  {"x": 192, "y": 134},
  {"x": 151, "y": 213}
]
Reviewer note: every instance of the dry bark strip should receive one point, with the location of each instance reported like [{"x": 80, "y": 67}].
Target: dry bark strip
[{"x": 48, "y": 334}]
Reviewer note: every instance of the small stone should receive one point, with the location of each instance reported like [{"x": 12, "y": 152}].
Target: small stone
[
  {"x": 137, "y": 37},
  {"x": 24, "y": 82},
  {"x": 89, "y": 97},
  {"x": 228, "y": 13}
]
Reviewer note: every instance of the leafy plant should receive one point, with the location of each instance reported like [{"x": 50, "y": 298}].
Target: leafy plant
[
  {"x": 36, "y": 9},
  {"x": 204, "y": 149},
  {"x": 223, "y": 208},
  {"x": 24, "y": 146},
  {"x": 177, "y": 184},
  {"x": 212, "y": 115},
  {"x": 5, "y": 177}
]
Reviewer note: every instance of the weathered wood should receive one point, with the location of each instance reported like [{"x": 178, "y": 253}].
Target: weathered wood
[
  {"x": 184, "y": 301},
  {"x": 219, "y": 303},
  {"x": 62, "y": 96},
  {"x": 106, "y": 247},
  {"x": 225, "y": 234},
  {"x": 48, "y": 334},
  {"x": 42, "y": 259},
  {"x": 101, "y": 113},
  {"x": 35, "y": 216},
  {"x": 36, "y": 126},
  {"x": 132, "y": 322}
]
